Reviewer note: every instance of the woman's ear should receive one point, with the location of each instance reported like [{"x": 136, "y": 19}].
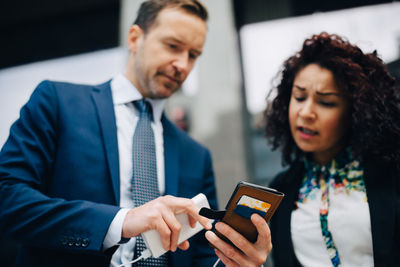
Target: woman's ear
[{"x": 134, "y": 36}]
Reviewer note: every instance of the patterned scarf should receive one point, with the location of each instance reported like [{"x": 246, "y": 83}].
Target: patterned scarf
[{"x": 343, "y": 174}]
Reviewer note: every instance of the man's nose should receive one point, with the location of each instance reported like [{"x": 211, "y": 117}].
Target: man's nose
[{"x": 182, "y": 63}]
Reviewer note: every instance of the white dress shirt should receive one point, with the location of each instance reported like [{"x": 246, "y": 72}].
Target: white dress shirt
[{"x": 126, "y": 116}]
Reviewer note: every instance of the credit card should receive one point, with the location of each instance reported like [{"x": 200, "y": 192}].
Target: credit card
[{"x": 247, "y": 205}]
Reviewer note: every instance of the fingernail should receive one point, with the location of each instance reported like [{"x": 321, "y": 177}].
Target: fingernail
[
  {"x": 208, "y": 235},
  {"x": 255, "y": 217}
]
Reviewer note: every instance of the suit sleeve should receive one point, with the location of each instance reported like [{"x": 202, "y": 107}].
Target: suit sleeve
[{"x": 27, "y": 214}]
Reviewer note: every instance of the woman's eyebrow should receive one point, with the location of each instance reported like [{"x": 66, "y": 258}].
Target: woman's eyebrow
[
  {"x": 299, "y": 87},
  {"x": 328, "y": 93},
  {"x": 319, "y": 93}
]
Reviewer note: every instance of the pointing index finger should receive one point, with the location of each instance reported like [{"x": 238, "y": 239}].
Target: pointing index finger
[{"x": 184, "y": 205}]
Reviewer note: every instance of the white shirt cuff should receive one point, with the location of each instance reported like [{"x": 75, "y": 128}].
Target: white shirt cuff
[{"x": 114, "y": 232}]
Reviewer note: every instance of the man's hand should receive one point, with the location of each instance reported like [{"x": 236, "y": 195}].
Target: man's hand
[
  {"x": 249, "y": 254},
  {"x": 159, "y": 214}
]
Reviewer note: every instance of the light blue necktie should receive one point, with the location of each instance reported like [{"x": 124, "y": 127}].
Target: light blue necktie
[{"x": 144, "y": 179}]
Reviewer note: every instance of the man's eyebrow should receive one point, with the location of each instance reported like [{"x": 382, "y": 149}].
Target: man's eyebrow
[{"x": 175, "y": 40}]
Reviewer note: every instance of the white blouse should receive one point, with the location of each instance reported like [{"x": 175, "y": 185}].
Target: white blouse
[{"x": 348, "y": 223}]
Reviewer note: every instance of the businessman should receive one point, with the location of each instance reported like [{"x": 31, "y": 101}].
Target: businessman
[{"x": 87, "y": 169}]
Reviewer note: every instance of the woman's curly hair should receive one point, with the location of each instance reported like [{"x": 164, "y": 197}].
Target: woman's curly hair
[{"x": 374, "y": 99}]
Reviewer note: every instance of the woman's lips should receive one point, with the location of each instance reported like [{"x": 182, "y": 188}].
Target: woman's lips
[{"x": 306, "y": 133}]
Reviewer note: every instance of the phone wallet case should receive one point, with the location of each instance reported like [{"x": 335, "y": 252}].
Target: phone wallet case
[{"x": 247, "y": 199}]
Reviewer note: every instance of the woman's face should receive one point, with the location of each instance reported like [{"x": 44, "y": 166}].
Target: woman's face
[{"x": 318, "y": 113}]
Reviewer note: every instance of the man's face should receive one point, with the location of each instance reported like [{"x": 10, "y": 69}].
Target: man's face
[{"x": 164, "y": 56}]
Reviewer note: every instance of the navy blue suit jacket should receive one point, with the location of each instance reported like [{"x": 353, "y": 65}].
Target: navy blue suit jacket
[{"x": 59, "y": 178}]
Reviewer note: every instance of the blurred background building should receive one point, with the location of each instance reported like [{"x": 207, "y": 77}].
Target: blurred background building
[{"x": 222, "y": 101}]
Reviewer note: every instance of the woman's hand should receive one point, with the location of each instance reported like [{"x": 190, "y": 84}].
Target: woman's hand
[{"x": 246, "y": 253}]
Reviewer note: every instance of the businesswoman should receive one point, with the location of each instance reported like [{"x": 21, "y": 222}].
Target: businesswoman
[{"x": 336, "y": 118}]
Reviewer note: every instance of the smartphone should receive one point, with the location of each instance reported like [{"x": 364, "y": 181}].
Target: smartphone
[{"x": 246, "y": 199}]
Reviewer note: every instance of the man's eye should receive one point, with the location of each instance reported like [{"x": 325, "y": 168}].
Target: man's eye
[
  {"x": 192, "y": 55},
  {"x": 173, "y": 46}
]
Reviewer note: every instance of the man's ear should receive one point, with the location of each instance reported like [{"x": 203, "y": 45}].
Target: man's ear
[{"x": 134, "y": 36}]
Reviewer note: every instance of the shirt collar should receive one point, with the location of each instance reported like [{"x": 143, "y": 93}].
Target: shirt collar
[{"x": 124, "y": 92}]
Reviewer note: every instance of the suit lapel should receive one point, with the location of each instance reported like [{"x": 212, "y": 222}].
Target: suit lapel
[
  {"x": 381, "y": 194},
  {"x": 105, "y": 109},
  {"x": 171, "y": 161},
  {"x": 171, "y": 157},
  {"x": 291, "y": 196}
]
